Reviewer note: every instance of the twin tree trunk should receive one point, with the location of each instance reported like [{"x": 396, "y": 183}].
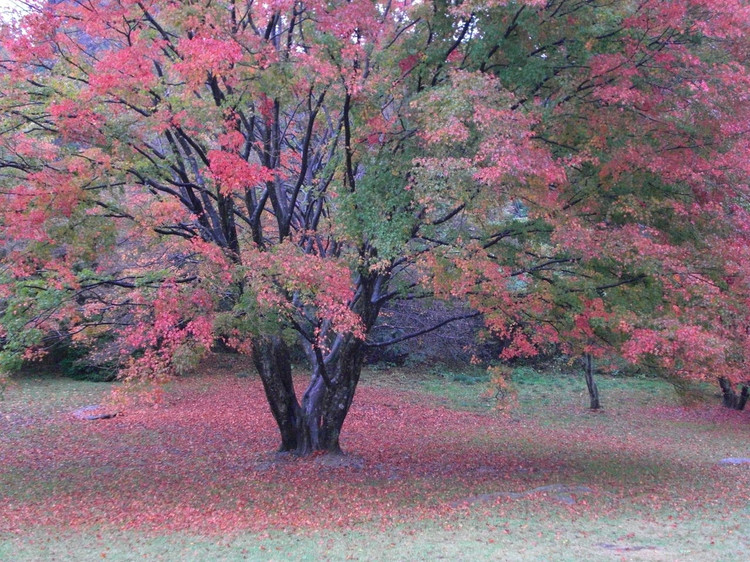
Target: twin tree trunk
[
  {"x": 730, "y": 398},
  {"x": 315, "y": 423}
]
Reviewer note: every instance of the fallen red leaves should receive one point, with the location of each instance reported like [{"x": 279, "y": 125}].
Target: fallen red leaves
[{"x": 200, "y": 461}]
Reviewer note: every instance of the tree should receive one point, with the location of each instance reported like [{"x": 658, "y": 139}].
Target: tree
[
  {"x": 644, "y": 105},
  {"x": 274, "y": 173},
  {"x": 730, "y": 398}
]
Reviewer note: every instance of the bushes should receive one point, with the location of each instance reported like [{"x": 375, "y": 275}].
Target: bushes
[{"x": 79, "y": 363}]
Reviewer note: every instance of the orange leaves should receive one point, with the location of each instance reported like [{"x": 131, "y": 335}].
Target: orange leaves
[
  {"x": 166, "y": 211},
  {"x": 231, "y": 140},
  {"x": 688, "y": 350}
]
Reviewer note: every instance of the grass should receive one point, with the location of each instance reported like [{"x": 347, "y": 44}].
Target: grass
[{"x": 437, "y": 472}]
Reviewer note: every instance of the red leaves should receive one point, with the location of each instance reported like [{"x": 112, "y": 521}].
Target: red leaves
[
  {"x": 235, "y": 175},
  {"x": 351, "y": 19},
  {"x": 475, "y": 108},
  {"x": 128, "y": 69},
  {"x": 408, "y": 63},
  {"x": 207, "y": 56},
  {"x": 77, "y": 122},
  {"x": 200, "y": 462},
  {"x": 322, "y": 283},
  {"x": 690, "y": 350}
]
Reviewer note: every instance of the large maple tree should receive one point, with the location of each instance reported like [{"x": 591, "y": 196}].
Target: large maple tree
[{"x": 272, "y": 174}]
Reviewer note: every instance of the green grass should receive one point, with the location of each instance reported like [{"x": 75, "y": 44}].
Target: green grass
[
  {"x": 657, "y": 490},
  {"x": 537, "y": 390},
  {"x": 551, "y": 536}
]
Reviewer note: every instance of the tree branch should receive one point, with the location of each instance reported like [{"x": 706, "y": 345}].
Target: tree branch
[{"x": 425, "y": 331}]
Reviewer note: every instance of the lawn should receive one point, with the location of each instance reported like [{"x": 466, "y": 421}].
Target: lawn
[{"x": 434, "y": 470}]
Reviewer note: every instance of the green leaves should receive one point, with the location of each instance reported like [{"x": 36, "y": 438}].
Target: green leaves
[{"x": 381, "y": 210}]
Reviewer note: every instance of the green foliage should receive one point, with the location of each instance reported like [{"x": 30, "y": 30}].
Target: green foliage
[
  {"x": 77, "y": 364},
  {"x": 187, "y": 357},
  {"x": 5, "y": 383},
  {"x": 693, "y": 394},
  {"x": 380, "y": 210},
  {"x": 10, "y": 361}
]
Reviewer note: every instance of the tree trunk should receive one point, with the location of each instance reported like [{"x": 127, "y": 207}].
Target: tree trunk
[
  {"x": 744, "y": 395},
  {"x": 594, "y": 403},
  {"x": 328, "y": 399},
  {"x": 315, "y": 423},
  {"x": 337, "y": 402},
  {"x": 730, "y": 398},
  {"x": 271, "y": 358}
]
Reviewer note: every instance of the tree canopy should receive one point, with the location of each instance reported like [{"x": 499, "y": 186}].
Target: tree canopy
[{"x": 175, "y": 173}]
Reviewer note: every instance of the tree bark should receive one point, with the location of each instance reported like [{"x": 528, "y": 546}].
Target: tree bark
[
  {"x": 328, "y": 398},
  {"x": 315, "y": 423},
  {"x": 744, "y": 395},
  {"x": 271, "y": 358},
  {"x": 345, "y": 374},
  {"x": 594, "y": 402},
  {"x": 730, "y": 398}
]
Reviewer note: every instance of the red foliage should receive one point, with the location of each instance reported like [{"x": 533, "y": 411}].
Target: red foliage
[{"x": 234, "y": 174}]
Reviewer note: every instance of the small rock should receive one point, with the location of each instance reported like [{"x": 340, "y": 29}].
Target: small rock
[
  {"x": 100, "y": 416},
  {"x": 735, "y": 460},
  {"x": 93, "y": 412}
]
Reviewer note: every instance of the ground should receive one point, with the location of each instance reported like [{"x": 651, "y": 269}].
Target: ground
[{"x": 434, "y": 469}]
